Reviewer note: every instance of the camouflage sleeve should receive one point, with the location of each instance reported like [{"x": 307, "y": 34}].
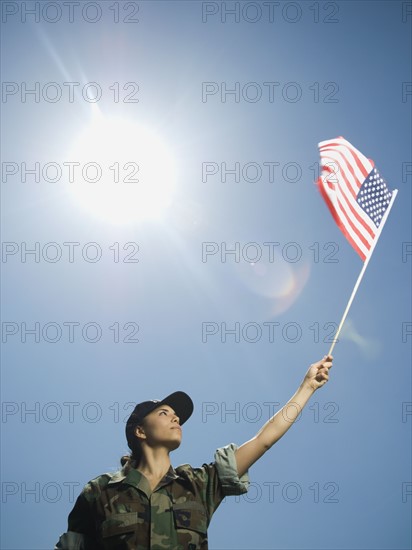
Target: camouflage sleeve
[
  {"x": 227, "y": 471},
  {"x": 81, "y": 532},
  {"x": 71, "y": 541}
]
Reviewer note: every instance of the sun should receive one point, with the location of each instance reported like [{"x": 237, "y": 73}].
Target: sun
[{"x": 125, "y": 172}]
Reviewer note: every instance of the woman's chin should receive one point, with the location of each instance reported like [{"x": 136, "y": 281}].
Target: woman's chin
[{"x": 175, "y": 443}]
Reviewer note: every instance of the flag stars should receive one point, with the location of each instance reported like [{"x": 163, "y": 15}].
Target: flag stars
[{"x": 374, "y": 196}]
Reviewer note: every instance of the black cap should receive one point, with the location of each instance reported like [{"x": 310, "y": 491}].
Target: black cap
[{"x": 179, "y": 401}]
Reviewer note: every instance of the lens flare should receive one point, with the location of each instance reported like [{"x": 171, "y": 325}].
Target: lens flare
[{"x": 277, "y": 280}]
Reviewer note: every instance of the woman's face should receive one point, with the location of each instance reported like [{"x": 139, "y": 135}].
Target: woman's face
[{"x": 161, "y": 428}]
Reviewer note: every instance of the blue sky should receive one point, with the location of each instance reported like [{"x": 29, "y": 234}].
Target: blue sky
[{"x": 110, "y": 331}]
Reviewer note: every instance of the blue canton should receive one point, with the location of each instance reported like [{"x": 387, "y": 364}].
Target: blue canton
[{"x": 374, "y": 197}]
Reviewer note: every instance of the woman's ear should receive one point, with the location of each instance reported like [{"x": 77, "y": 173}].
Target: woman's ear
[{"x": 139, "y": 432}]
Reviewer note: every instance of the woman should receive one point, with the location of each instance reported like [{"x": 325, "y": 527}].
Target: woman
[{"x": 150, "y": 505}]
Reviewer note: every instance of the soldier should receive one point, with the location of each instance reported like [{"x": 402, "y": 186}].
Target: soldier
[{"x": 150, "y": 505}]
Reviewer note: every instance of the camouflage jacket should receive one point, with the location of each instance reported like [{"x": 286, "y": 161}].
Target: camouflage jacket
[{"x": 119, "y": 511}]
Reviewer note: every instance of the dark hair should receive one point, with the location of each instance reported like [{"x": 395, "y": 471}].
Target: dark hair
[{"x": 134, "y": 458}]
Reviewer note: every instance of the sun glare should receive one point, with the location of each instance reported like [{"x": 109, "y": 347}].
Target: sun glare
[{"x": 125, "y": 171}]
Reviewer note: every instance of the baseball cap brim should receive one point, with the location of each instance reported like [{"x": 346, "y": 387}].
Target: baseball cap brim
[{"x": 181, "y": 403}]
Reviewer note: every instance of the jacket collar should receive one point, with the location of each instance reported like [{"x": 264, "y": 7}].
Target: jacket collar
[{"x": 132, "y": 476}]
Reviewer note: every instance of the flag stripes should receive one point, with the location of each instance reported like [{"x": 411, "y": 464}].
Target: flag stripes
[{"x": 354, "y": 192}]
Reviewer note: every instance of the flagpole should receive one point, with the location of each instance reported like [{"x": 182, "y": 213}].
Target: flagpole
[{"x": 365, "y": 265}]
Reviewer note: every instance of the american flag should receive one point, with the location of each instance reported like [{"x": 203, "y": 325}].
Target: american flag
[{"x": 355, "y": 192}]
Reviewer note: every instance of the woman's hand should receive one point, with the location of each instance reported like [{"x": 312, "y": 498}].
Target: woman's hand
[{"x": 318, "y": 373}]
